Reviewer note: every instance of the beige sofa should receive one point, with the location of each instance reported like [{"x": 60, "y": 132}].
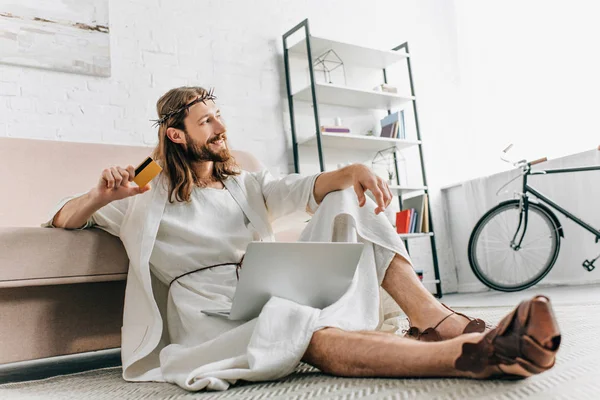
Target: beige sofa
[{"x": 62, "y": 291}]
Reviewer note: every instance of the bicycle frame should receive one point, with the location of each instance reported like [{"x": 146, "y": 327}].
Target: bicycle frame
[{"x": 525, "y": 208}]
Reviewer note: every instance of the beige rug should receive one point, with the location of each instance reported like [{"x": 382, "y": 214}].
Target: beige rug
[{"x": 575, "y": 376}]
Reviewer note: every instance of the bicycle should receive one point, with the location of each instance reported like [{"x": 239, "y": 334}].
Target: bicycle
[{"x": 516, "y": 243}]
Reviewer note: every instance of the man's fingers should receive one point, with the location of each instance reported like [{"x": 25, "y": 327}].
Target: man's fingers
[
  {"x": 125, "y": 175},
  {"x": 385, "y": 189},
  {"x": 360, "y": 193},
  {"x": 131, "y": 171},
  {"x": 378, "y": 198},
  {"x": 116, "y": 176},
  {"x": 108, "y": 178}
]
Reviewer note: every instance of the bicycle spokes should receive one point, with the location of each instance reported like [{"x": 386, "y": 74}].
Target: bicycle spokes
[{"x": 514, "y": 245}]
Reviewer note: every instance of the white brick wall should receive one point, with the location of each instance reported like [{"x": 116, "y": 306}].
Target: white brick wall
[{"x": 236, "y": 47}]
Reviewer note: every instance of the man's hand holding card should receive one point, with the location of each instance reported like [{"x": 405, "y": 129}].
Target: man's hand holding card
[{"x": 114, "y": 183}]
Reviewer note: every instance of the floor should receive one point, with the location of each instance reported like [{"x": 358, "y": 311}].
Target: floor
[
  {"x": 588, "y": 294},
  {"x": 559, "y": 295},
  {"x": 576, "y": 374}
]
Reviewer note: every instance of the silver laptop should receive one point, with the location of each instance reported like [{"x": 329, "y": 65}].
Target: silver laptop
[{"x": 314, "y": 274}]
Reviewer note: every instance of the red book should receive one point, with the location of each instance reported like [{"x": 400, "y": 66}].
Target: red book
[{"x": 403, "y": 221}]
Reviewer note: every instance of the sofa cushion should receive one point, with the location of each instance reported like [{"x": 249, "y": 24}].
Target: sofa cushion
[{"x": 50, "y": 256}]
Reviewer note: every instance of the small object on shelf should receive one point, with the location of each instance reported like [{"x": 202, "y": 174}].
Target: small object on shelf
[
  {"x": 329, "y": 62},
  {"x": 385, "y": 157},
  {"x": 335, "y": 129},
  {"x": 338, "y": 121},
  {"x": 384, "y": 87}
]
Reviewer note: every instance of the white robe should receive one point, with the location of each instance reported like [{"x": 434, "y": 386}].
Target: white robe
[
  {"x": 210, "y": 230},
  {"x": 270, "y": 346}
]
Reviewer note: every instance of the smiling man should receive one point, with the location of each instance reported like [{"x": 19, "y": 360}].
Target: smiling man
[{"x": 186, "y": 232}]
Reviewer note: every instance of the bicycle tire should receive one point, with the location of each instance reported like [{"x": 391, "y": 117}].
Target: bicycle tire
[{"x": 544, "y": 213}]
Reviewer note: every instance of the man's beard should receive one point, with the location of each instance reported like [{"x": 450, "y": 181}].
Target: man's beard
[{"x": 200, "y": 153}]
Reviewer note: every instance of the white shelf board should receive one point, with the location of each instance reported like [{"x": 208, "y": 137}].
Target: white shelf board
[
  {"x": 414, "y": 235},
  {"x": 349, "y": 53},
  {"x": 349, "y": 97},
  {"x": 355, "y": 142},
  {"x": 402, "y": 190}
]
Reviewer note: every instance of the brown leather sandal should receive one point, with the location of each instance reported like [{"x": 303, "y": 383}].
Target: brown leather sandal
[
  {"x": 529, "y": 337},
  {"x": 475, "y": 325}
]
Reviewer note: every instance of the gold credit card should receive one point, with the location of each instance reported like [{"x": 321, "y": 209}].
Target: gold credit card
[{"x": 146, "y": 171}]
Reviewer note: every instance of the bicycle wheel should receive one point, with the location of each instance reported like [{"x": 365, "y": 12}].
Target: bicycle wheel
[{"x": 496, "y": 264}]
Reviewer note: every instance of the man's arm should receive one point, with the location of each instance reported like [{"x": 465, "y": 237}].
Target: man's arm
[
  {"x": 361, "y": 178},
  {"x": 112, "y": 187},
  {"x": 77, "y": 211}
]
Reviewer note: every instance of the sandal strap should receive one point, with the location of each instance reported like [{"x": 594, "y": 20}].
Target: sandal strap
[
  {"x": 475, "y": 325},
  {"x": 443, "y": 319}
]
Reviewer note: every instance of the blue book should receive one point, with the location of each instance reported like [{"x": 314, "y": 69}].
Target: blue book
[{"x": 389, "y": 119}]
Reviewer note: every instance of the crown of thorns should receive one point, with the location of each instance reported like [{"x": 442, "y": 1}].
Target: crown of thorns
[{"x": 206, "y": 96}]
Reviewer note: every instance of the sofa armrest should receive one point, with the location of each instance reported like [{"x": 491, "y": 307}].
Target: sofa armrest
[{"x": 40, "y": 256}]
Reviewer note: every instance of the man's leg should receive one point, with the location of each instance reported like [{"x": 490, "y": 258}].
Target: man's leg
[
  {"x": 524, "y": 343},
  {"x": 422, "y": 309},
  {"x": 378, "y": 354}
]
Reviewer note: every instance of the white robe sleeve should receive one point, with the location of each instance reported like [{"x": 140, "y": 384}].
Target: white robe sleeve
[
  {"x": 109, "y": 218},
  {"x": 289, "y": 194}
]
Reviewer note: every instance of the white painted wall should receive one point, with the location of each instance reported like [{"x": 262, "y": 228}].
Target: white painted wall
[
  {"x": 236, "y": 47},
  {"x": 529, "y": 76}
]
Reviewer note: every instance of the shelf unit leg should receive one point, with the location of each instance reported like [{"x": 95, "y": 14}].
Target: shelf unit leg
[
  {"x": 303, "y": 24},
  {"x": 288, "y": 85}
]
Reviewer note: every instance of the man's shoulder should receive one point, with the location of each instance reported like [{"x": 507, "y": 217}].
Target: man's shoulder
[{"x": 246, "y": 176}]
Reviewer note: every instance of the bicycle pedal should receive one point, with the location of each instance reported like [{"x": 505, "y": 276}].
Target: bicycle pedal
[{"x": 589, "y": 265}]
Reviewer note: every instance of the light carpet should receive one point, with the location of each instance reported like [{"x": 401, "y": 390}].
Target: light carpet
[{"x": 575, "y": 376}]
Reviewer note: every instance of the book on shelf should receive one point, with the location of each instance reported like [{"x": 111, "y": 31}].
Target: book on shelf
[
  {"x": 420, "y": 204},
  {"x": 403, "y": 221},
  {"x": 393, "y": 125},
  {"x": 414, "y": 215},
  {"x": 425, "y": 214},
  {"x": 387, "y": 131},
  {"x": 335, "y": 129}
]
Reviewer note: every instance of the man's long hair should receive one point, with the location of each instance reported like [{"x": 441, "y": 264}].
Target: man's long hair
[{"x": 172, "y": 156}]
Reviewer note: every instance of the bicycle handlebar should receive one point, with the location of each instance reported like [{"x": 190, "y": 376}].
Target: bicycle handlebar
[{"x": 540, "y": 160}]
